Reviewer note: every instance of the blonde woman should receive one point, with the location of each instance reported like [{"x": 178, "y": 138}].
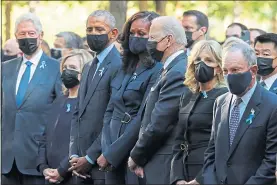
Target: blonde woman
[
  {"x": 205, "y": 80},
  {"x": 54, "y": 146}
]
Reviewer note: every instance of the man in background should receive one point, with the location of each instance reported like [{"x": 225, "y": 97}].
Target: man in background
[{"x": 11, "y": 50}]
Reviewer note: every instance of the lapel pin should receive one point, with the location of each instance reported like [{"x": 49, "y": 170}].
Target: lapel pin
[
  {"x": 101, "y": 71},
  {"x": 250, "y": 117},
  {"x": 135, "y": 76},
  {"x": 275, "y": 88},
  {"x": 43, "y": 65},
  {"x": 68, "y": 106},
  {"x": 204, "y": 94}
]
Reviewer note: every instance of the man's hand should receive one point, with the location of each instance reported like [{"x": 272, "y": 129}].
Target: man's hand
[
  {"x": 82, "y": 166},
  {"x": 102, "y": 162},
  {"x": 181, "y": 182},
  {"x": 132, "y": 165},
  {"x": 139, "y": 172},
  {"x": 276, "y": 175},
  {"x": 47, "y": 172},
  {"x": 54, "y": 177},
  {"x": 193, "y": 182},
  {"x": 73, "y": 161}
]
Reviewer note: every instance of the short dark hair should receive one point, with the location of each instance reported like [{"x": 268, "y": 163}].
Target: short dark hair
[
  {"x": 267, "y": 38},
  {"x": 261, "y": 32},
  {"x": 72, "y": 40},
  {"x": 130, "y": 60},
  {"x": 202, "y": 19},
  {"x": 242, "y": 26}
]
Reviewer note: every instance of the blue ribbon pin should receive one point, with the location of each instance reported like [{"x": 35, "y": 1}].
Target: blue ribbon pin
[
  {"x": 250, "y": 117},
  {"x": 135, "y": 76},
  {"x": 204, "y": 94},
  {"x": 68, "y": 107},
  {"x": 43, "y": 65}
]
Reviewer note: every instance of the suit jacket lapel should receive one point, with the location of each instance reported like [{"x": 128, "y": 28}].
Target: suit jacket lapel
[
  {"x": 15, "y": 76},
  {"x": 274, "y": 87},
  {"x": 224, "y": 126},
  {"x": 40, "y": 72},
  {"x": 98, "y": 76},
  {"x": 243, "y": 125}
]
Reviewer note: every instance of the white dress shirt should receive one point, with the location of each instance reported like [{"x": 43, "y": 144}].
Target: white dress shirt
[
  {"x": 269, "y": 81},
  {"x": 35, "y": 60},
  {"x": 171, "y": 58}
]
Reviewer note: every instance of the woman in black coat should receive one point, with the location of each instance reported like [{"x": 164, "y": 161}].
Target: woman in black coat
[
  {"x": 54, "y": 146},
  {"x": 130, "y": 88},
  {"x": 204, "y": 78}
]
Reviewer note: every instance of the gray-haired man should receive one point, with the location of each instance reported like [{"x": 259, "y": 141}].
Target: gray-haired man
[
  {"x": 94, "y": 95},
  {"x": 243, "y": 141},
  {"x": 30, "y": 84}
]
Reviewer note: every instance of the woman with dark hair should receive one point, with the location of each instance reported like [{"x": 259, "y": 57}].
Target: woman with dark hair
[{"x": 130, "y": 88}]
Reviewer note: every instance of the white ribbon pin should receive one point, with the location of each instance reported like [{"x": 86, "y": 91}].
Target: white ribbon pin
[
  {"x": 68, "y": 107},
  {"x": 43, "y": 65},
  {"x": 101, "y": 72},
  {"x": 135, "y": 76}
]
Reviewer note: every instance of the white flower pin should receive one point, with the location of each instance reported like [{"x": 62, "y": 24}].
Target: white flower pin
[
  {"x": 43, "y": 65},
  {"x": 101, "y": 71},
  {"x": 135, "y": 76}
]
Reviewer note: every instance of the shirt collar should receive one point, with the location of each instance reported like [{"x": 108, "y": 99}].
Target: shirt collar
[
  {"x": 171, "y": 58},
  {"x": 102, "y": 55},
  {"x": 246, "y": 98},
  {"x": 269, "y": 81},
  {"x": 35, "y": 59}
]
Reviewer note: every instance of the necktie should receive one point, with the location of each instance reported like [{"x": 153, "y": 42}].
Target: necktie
[
  {"x": 23, "y": 85},
  {"x": 234, "y": 121},
  {"x": 263, "y": 84},
  {"x": 92, "y": 71}
]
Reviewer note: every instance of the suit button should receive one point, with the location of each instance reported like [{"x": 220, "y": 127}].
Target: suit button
[{"x": 229, "y": 164}]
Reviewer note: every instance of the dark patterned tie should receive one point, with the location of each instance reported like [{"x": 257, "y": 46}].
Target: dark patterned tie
[
  {"x": 234, "y": 120},
  {"x": 92, "y": 71}
]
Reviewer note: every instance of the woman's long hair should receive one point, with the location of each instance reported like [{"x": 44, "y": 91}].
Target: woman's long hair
[
  {"x": 212, "y": 47},
  {"x": 129, "y": 59}
]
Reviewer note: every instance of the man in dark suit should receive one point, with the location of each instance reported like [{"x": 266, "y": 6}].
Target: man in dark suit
[
  {"x": 266, "y": 51},
  {"x": 243, "y": 141},
  {"x": 29, "y": 85},
  {"x": 151, "y": 155},
  {"x": 94, "y": 95}
]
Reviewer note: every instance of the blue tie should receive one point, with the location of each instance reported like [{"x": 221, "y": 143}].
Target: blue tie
[{"x": 23, "y": 85}]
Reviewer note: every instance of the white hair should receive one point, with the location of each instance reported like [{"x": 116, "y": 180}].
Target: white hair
[
  {"x": 246, "y": 50},
  {"x": 171, "y": 26},
  {"x": 109, "y": 18},
  {"x": 29, "y": 17}
]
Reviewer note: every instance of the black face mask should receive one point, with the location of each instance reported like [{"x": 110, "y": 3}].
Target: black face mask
[
  {"x": 238, "y": 83},
  {"x": 56, "y": 53},
  {"x": 189, "y": 39},
  {"x": 203, "y": 73},
  {"x": 137, "y": 45},
  {"x": 265, "y": 66},
  {"x": 70, "y": 78},
  {"x": 97, "y": 43},
  {"x": 28, "y": 45},
  {"x": 8, "y": 57}
]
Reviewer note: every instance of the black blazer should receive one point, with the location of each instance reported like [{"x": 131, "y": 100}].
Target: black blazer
[
  {"x": 22, "y": 127},
  {"x": 87, "y": 122},
  {"x": 158, "y": 121},
  {"x": 53, "y": 147},
  {"x": 251, "y": 158},
  {"x": 193, "y": 134},
  {"x": 130, "y": 91}
]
